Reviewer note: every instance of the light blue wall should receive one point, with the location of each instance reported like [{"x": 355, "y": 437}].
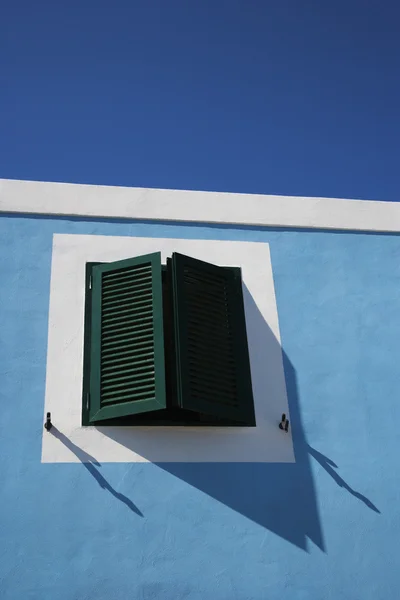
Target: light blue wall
[{"x": 324, "y": 528}]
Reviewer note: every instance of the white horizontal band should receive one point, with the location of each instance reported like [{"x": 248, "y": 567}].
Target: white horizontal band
[{"x": 205, "y": 207}]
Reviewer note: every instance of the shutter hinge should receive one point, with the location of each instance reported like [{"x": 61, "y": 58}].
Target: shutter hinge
[
  {"x": 90, "y": 282},
  {"x": 87, "y": 401}
]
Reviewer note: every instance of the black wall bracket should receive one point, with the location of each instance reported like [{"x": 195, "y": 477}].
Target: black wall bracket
[
  {"x": 48, "y": 425},
  {"x": 284, "y": 424}
]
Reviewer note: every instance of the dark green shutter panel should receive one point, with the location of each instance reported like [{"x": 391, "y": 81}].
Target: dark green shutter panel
[
  {"x": 127, "y": 372},
  {"x": 213, "y": 367}
]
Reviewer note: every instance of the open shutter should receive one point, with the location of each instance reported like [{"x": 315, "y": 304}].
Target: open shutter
[
  {"x": 213, "y": 367},
  {"x": 127, "y": 372}
]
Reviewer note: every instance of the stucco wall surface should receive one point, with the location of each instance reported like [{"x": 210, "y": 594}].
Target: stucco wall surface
[{"x": 322, "y": 527}]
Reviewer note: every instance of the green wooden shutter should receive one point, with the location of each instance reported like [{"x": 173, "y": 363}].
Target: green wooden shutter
[
  {"x": 213, "y": 367},
  {"x": 127, "y": 372}
]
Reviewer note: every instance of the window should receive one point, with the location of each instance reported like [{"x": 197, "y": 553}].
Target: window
[{"x": 165, "y": 344}]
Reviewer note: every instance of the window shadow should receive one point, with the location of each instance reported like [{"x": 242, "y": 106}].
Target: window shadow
[
  {"x": 278, "y": 496},
  {"x": 90, "y": 464}
]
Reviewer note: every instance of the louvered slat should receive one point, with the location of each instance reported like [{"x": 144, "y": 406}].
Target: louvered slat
[
  {"x": 129, "y": 283},
  {"x": 213, "y": 369},
  {"x": 127, "y": 356}
]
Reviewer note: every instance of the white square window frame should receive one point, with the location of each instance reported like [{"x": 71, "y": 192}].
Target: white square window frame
[{"x": 64, "y": 369}]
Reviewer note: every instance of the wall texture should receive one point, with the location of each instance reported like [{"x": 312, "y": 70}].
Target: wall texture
[{"x": 325, "y": 526}]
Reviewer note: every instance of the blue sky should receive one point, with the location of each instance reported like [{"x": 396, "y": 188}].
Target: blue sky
[{"x": 280, "y": 97}]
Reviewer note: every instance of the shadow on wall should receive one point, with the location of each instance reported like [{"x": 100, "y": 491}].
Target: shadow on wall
[
  {"x": 91, "y": 464},
  {"x": 278, "y": 496}
]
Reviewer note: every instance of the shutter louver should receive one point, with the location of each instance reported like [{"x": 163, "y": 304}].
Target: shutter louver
[
  {"x": 127, "y": 341},
  {"x": 213, "y": 367}
]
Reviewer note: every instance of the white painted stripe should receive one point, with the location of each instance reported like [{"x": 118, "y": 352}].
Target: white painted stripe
[{"x": 206, "y": 207}]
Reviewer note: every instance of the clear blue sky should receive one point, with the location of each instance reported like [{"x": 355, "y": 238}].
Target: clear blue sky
[{"x": 283, "y": 97}]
